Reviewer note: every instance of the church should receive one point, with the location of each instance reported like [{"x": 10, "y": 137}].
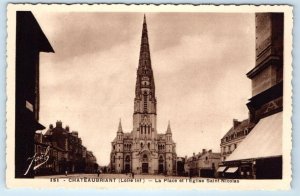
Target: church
[{"x": 144, "y": 150}]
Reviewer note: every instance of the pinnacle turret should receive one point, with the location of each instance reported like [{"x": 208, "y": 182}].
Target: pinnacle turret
[
  {"x": 169, "y": 128},
  {"x": 120, "y": 130}
]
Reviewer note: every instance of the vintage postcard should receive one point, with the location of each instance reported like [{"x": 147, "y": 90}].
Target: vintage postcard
[{"x": 149, "y": 96}]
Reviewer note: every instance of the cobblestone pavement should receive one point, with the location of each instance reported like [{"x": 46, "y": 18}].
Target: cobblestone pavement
[{"x": 109, "y": 176}]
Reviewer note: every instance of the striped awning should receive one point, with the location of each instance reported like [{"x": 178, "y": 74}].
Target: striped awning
[{"x": 265, "y": 140}]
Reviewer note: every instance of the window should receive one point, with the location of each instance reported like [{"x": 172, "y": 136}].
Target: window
[
  {"x": 149, "y": 145},
  {"x": 145, "y": 102}
]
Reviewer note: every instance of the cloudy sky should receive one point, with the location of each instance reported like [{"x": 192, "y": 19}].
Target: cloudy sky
[{"x": 199, "y": 62}]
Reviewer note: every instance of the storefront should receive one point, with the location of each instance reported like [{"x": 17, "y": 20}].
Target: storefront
[{"x": 259, "y": 156}]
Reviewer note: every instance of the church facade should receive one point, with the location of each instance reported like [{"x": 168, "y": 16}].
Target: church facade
[{"x": 144, "y": 150}]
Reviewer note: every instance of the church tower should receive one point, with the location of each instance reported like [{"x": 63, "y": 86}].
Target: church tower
[
  {"x": 119, "y": 149},
  {"x": 144, "y": 116},
  {"x": 169, "y": 151},
  {"x": 144, "y": 150}
]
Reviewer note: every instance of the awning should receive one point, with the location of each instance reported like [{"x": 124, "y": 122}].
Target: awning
[
  {"x": 265, "y": 140},
  {"x": 221, "y": 169},
  {"x": 231, "y": 170}
]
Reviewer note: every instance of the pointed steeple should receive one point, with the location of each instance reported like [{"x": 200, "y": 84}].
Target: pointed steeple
[
  {"x": 144, "y": 61},
  {"x": 169, "y": 128},
  {"x": 120, "y": 130},
  {"x": 144, "y": 67}
]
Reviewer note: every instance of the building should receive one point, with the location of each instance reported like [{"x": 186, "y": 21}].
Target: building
[
  {"x": 49, "y": 157},
  {"x": 234, "y": 137},
  {"x": 203, "y": 164},
  {"x": 180, "y": 161},
  {"x": 70, "y": 154},
  {"x": 144, "y": 150},
  {"x": 259, "y": 155},
  {"x": 30, "y": 41}
]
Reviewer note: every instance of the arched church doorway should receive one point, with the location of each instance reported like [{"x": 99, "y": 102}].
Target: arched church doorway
[
  {"x": 161, "y": 165},
  {"x": 145, "y": 164},
  {"x": 127, "y": 164}
]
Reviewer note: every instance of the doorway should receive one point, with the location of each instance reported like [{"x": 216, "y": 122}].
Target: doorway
[{"x": 145, "y": 168}]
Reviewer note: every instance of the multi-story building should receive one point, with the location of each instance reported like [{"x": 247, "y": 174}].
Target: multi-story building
[
  {"x": 48, "y": 157},
  {"x": 203, "y": 164},
  {"x": 30, "y": 41},
  {"x": 144, "y": 150},
  {"x": 91, "y": 163},
  {"x": 260, "y": 154},
  {"x": 66, "y": 150},
  {"x": 235, "y": 136},
  {"x": 180, "y": 166}
]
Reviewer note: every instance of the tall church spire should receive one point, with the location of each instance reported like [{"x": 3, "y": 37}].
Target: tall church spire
[
  {"x": 144, "y": 116},
  {"x": 144, "y": 68}
]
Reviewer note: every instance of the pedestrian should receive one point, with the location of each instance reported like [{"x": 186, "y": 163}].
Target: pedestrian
[
  {"x": 66, "y": 172},
  {"x": 98, "y": 172},
  {"x": 132, "y": 174}
]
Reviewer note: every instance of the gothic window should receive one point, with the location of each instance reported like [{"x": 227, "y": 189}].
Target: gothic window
[
  {"x": 141, "y": 130},
  {"x": 145, "y": 102},
  {"x": 149, "y": 145},
  {"x": 145, "y": 156},
  {"x": 148, "y": 129},
  {"x": 127, "y": 159},
  {"x": 161, "y": 159},
  {"x": 141, "y": 145}
]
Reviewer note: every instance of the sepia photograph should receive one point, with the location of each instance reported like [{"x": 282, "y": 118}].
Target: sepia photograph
[{"x": 115, "y": 95}]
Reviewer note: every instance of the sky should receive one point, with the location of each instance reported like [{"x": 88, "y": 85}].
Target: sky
[{"x": 199, "y": 60}]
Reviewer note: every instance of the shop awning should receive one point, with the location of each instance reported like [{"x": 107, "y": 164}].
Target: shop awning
[
  {"x": 231, "y": 170},
  {"x": 265, "y": 140},
  {"x": 221, "y": 169}
]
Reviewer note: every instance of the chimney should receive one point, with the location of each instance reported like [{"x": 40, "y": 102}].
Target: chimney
[
  {"x": 50, "y": 126},
  {"x": 236, "y": 123},
  {"x": 67, "y": 128},
  {"x": 193, "y": 154},
  {"x": 203, "y": 151},
  {"x": 210, "y": 151}
]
